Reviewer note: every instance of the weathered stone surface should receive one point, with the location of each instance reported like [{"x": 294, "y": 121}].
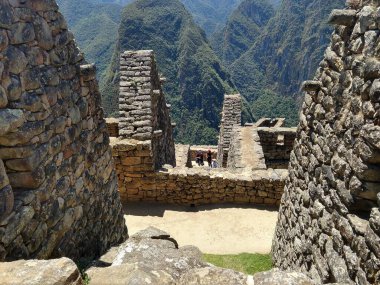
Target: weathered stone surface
[
  {"x": 35, "y": 272},
  {"x": 215, "y": 275},
  {"x": 309, "y": 86},
  {"x": 16, "y": 60},
  {"x": 10, "y": 120},
  {"x": 277, "y": 277},
  {"x": 21, "y": 33},
  {"x": 154, "y": 257},
  {"x": 231, "y": 116},
  {"x": 149, "y": 257},
  {"x": 342, "y": 17},
  {"x": 58, "y": 176},
  {"x": 328, "y": 222},
  {"x": 149, "y": 114},
  {"x": 181, "y": 185}
]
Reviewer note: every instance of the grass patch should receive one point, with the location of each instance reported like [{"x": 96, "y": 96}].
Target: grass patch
[{"x": 244, "y": 262}]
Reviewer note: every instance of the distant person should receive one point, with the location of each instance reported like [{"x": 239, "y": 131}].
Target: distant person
[
  {"x": 209, "y": 158},
  {"x": 199, "y": 158},
  {"x": 202, "y": 159},
  {"x": 214, "y": 163}
]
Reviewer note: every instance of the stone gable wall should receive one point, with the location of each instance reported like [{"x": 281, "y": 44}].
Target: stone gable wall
[
  {"x": 329, "y": 220},
  {"x": 277, "y": 144},
  {"x": 231, "y": 116},
  {"x": 58, "y": 189},
  {"x": 144, "y": 114}
]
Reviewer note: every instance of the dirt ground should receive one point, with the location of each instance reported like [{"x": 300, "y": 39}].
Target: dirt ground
[{"x": 217, "y": 229}]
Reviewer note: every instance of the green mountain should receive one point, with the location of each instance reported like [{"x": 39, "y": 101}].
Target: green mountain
[
  {"x": 196, "y": 82},
  {"x": 242, "y": 29},
  {"x": 211, "y": 15},
  {"x": 95, "y": 27},
  {"x": 286, "y": 52}
]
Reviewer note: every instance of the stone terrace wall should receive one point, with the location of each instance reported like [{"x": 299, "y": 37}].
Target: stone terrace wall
[
  {"x": 335, "y": 165},
  {"x": 144, "y": 114},
  {"x": 138, "y": 181},
  {"x": 277, "y": 144},
  {"x": 231, "y": 116},
  {"x": 58, "y": 189}
]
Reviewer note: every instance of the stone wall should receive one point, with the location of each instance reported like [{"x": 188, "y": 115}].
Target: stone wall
[
  {"x": 138, "y": 181},
  {"x": 277, "y": 144},
  {"x": 329, "y": 220},
  {"x": 144, "y": 114},
  {"x": 112, "y": 127},
  {"x": 58, "y": 189},
  {"x": 231, "y": 116}
]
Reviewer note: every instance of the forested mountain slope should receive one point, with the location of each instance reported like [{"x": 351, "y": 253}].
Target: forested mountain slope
[
  {"x": 95, "y": 28},
  {"x": 286, "y": 52},
  {"x": 211, "y": 15},
  {"x": 196, "y": 82},
  {"x": 242, "y": 29}
]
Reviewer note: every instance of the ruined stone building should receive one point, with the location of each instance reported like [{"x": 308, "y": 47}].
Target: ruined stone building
[
  {"x": 329, "y": 221},
  {"x": 151, "y": 169},
  {"x": 63, "y": 179},
  {"x": 58, "y": 186}
]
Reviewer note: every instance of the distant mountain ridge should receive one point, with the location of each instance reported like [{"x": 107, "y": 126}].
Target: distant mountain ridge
[
  {"x": 196, "y": 81},
  {"x": 283, "y": 52},
  {"x": 242, "y": 29}
]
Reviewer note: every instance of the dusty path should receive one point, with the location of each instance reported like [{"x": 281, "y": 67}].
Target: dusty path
[{"x": 225, "y": 229}]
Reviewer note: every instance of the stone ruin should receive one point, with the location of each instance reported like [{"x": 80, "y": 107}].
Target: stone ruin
[
  {"x": 147, "y": 172},
  {"x": 144, "y": 114},
  {"x": 58, "y": 186},
  {"x": 231, "y": 116},
  {"x": 329, "y": 220}
]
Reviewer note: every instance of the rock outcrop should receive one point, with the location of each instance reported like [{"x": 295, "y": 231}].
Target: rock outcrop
[
  {"x": 36, "y": 272},
  {"x": 329, "y": 221},
  {"x": 58, "y": 188},
  {"x": 154, "y": 257}
]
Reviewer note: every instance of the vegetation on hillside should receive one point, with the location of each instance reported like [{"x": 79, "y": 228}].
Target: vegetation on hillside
[
  {"x": 268, "y": 47},
  {"x": 196, "y": 81},
  {"x": 246, "y": 262},
  {"x": 95, "y": 29},
  {"x": 211, "y": 15},
  {"x": 242, "y": 29},
  {"x": 286, "y": 52}
]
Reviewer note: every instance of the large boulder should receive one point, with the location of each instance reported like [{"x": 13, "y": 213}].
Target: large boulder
[
  {"x": 148, "y": 257},
  {"x": 61, "y": 271}
]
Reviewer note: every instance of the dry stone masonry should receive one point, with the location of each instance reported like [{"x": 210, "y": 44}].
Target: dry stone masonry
[
  {"x": 231, "y": 116},
  {"x": 58, "y": 186},
  {"x": 329, "y": 221},
  {"x": 144, "y": 114},
  {"x": 140, "y": 179}
]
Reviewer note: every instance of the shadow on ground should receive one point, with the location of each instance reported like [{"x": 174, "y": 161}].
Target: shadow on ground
[{"x": 158, "y": 210}]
